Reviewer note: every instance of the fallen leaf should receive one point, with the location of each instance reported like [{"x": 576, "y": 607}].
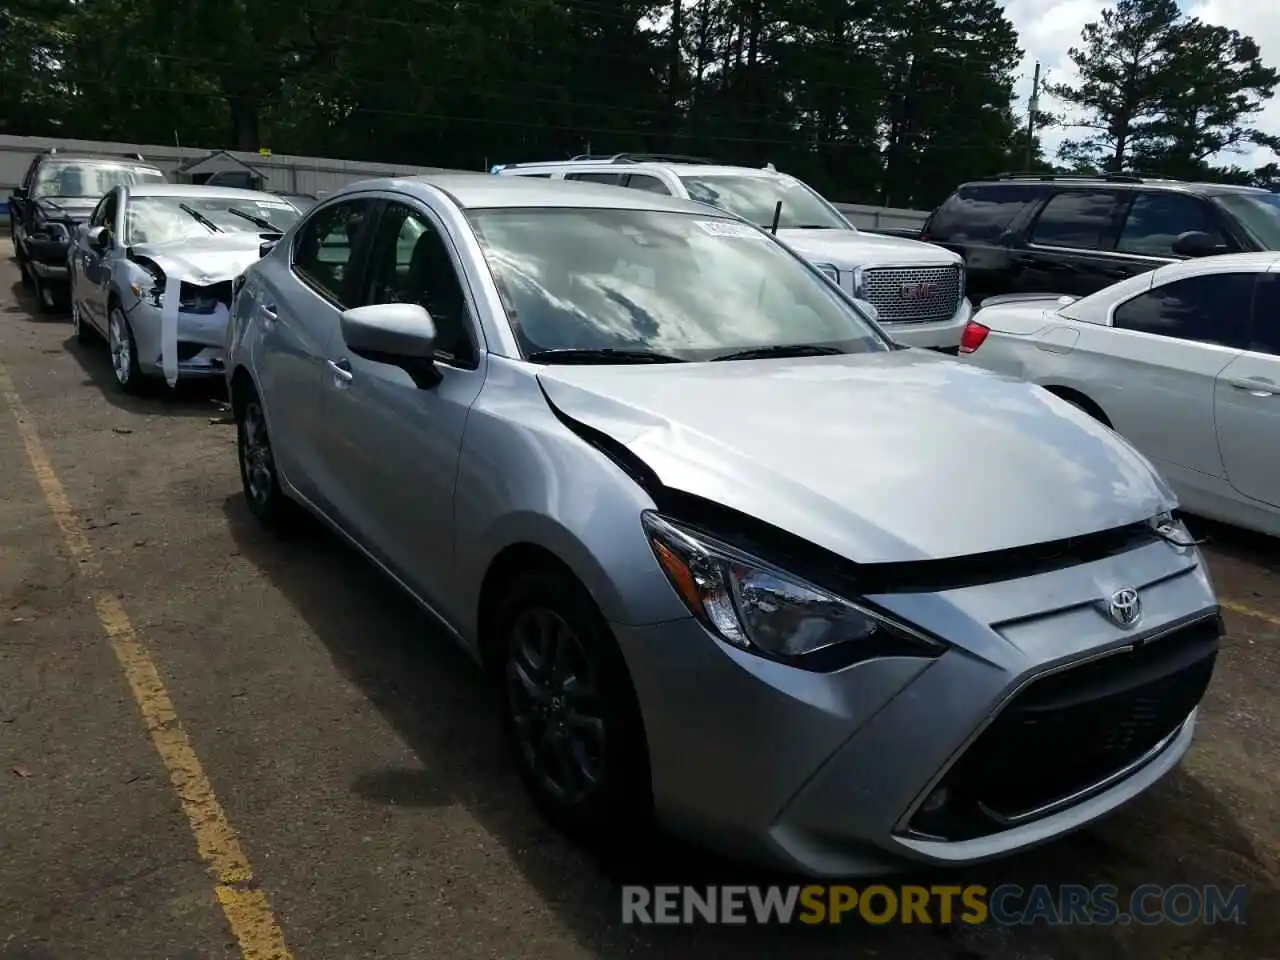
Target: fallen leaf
[
  {"x": 22, "y": 772},
  {"x": 122, "y": 430}
]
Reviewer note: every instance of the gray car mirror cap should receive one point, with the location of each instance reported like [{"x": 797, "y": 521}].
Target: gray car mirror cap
[
  {"x": 99, "y": 237},
  {"x": 400, "y": 334}
]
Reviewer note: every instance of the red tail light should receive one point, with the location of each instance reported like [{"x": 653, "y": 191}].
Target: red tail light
[{"x": 975, "y": 334}]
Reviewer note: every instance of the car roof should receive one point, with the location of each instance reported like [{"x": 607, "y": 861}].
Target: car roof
[
  {"x": 1118, "y": 182},
  {"x": 1259, "y": 260},
  {"x": 196, "y": 190},
  {"x": 478, "y": 191}
]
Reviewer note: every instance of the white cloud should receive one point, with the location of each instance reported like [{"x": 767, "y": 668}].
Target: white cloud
[{"x": 1048, "y": 28}]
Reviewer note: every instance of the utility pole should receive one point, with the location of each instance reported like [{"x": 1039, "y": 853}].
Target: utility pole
[{"x": 1032, "y": 106}]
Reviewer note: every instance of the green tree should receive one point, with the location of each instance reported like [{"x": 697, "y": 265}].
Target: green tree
[
  {"x": 1125, "y": 66},
  {"x": 1163, "y": 92},
  {"x": 1217, "y": 87}
]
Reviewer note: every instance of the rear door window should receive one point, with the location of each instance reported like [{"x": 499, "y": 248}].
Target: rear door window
[
  {"x": 979, "y": 213},
  {"x": 1078, "y": 219},
  {"x": 615, "y": 179},
  {"x": 1213, "y": 308},
  {"x": 1156, "y": 219},
  {"x": 647, "y": 182}
]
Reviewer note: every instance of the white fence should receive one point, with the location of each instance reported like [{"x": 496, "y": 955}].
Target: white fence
[{"x": 317, "y": 175}]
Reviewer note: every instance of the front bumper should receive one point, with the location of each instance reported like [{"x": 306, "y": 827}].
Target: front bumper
[
  {"x": 48, "y": 255},
  {"x": 825, "y": 774},
  {"x": 200, "y": 345},
  {"x": 940, "y": 335}
]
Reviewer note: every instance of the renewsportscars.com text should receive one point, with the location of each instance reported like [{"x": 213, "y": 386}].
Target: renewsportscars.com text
[{"x": 1006, "y": 905}]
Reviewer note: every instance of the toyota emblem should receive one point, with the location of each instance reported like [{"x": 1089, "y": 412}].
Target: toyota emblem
[{"x": 1125, "y": 607}]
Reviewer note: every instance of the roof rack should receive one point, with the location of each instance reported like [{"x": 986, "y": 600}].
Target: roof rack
[
  {"x": 128, "y": 155},
  {"x": 640, "y": 158},
  {"x": 1039, "y": 175}
]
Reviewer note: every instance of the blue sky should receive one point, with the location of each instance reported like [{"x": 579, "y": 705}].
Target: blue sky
[{"x": 1047, "y": 29}]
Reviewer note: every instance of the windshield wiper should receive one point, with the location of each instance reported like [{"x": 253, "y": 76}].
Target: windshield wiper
[
  {"x": 200, "y": 217},
  {"x": 601, "y": 355},
  {"x": 782, "y": 350},
  {"x": 260, "y": 222}
]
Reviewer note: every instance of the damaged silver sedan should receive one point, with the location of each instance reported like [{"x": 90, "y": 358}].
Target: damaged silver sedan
[{"x": 151, "y": 272}]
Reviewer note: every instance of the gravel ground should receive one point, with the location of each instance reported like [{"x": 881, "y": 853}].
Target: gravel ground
[{"x": 326, "y": 736}]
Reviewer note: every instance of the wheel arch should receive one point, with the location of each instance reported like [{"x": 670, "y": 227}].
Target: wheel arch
[{"x": 1080, "y": 399}]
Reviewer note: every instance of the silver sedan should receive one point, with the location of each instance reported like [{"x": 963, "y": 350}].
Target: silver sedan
[
  {"x": 738, "y": 564},
  {"x": 151, "y": 272}
]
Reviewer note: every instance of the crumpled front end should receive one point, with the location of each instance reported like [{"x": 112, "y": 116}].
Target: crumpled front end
[
  {"x": 179, "y": 325},
  {"x": 182, "y": 302}
]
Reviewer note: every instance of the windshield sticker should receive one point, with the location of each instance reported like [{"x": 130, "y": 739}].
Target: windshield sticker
[{"x": 729, "y": 229}]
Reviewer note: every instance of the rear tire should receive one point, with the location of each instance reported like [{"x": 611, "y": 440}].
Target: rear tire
[
  {"x": 81, "y": 330},
  {"x": 258, "y": 475},
  {"x": 570, "y": 712}
]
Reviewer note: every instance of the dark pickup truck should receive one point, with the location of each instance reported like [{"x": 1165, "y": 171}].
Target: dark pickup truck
[{"x": 58, "y": 192}]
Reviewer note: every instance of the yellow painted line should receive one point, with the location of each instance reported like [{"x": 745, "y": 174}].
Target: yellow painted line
[
  {"x": 1245, "y": 611},
  {"x": 246, "y": 908}
]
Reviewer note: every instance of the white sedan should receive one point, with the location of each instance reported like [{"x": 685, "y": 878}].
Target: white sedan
[{"x": 1183, "y": 361}]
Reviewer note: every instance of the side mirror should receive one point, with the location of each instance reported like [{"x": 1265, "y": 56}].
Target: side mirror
[
  {"x": 266, "y": 247},
  {"x": 99, "y": 238},
  {"x": 19, "y": 193},
  {"x": 1196, "y": 243},
  {"x": 400, "y": 334}
]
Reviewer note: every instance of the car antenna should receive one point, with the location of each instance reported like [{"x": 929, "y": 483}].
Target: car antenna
[{"x": 777, "y": 215}]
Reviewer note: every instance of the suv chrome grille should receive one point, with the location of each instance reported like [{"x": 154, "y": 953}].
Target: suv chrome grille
[{"x": 913, "y": 294}]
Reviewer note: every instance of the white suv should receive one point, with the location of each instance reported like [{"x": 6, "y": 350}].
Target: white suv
[{"x": 917, "y": 289}]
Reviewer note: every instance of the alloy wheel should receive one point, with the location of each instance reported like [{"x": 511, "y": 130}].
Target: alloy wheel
[
  {"x": 121, "y": 342},
  {"x": 255, "y": 454},
  {"x": 554, "y": 705}
]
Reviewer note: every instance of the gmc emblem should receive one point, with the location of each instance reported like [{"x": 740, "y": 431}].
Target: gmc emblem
[{"x": 916, "y": 291}]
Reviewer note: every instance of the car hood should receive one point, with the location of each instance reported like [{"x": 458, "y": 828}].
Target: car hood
[
  {"x": 884, "y": 457},
  {"x": 852, "y": 248},
  {"x": 74, "y": 209},
  {"x": 206, "y": 260}
]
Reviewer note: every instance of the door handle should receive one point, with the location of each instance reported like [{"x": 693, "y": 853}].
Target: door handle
[
  {"x": 268, "y": 313},
  {"x": 1256, "y": 387},
  {"x": 342, "y": 373}
]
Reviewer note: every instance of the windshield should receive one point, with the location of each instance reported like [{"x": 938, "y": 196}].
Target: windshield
[
  {"x": 756, "y": 198},
  {"x": 1258, "y": 213},
  {"x": 89, "y": 179},
  {"x": 687, "y": 287},
  {"x": 161, "y": 219}
]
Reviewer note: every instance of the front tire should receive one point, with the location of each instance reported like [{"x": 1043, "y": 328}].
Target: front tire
[
  {"x": 258, "y": 474},
  {"x": 570, "y": 711},
  {"x": 124, "y": 352}
]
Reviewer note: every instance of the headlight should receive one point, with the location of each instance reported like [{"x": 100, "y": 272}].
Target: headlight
[
  {"x": 859, "y": 291},
  {"x": 830, "y": 272},
  {"x": 759, "y": 608},
  {"x": 1172, "y": 530}
]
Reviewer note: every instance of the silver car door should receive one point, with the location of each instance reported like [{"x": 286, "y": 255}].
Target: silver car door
[
  {"x": 391, "y": 446},
  {"x": 297, "y": 295},
  {"x": 96, "y": 279}
]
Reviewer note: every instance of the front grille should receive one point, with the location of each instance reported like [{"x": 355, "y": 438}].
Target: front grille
[
  {"x": 912, "y": 294},
  {"x": 1072, "y": 730}
]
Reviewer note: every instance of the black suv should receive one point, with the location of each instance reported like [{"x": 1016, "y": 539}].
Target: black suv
[
  {"x": 1075, "y": 234},
  {"x": 58, "y": 192}
]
